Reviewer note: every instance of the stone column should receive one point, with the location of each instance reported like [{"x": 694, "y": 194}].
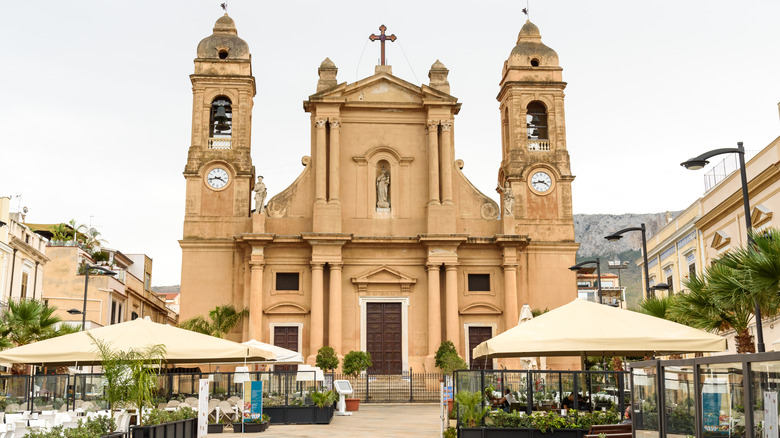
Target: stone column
[
  {"x": 334, "y": 314},
  {"x": 447, "y": 161},
  {"x": 317, "y": 329},
  {"x": 320, "y": 162},
  {"x": 434, "y": 309},
  {"x": 451, "y": 281},
  {"x": 335, "y": 131},
  {"x": 256, "y": 303},
  {"x": 510, "y": 296},
  {"x": 433, "y": 161}
]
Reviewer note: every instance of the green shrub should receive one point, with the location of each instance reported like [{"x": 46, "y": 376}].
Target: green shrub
[
  {"x": 322, "y": 399},
  {"x": 355, "y": 362},
  {"x": 327, "y": 359}
]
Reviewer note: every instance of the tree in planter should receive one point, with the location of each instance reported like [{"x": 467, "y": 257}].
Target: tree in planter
[
  {"x": 447, "y": 359},
  {"x": 327, "y": 359},
  {"x": 223, "y": 319},
  {"x": 470, "y": 407},
  {"x": 355, "y": 362},
  {"x": 131, "y": 376}
]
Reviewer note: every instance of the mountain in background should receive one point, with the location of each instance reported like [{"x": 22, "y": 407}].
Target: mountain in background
[
  {"x": 589, "y": 232},
  {"x": 166, "y": 289}
]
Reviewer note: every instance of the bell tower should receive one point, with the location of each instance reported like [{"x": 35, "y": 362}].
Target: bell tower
[
  {"x": 219, "y": 173},
  {"x": 535, "y": 176}
]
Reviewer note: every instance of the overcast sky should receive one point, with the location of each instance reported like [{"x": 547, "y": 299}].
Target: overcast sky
[{"x": 97, "y": 115}]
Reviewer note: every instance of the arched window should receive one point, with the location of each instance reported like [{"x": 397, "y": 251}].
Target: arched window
[
  {"x": 220, "y": 123},
  {"x": 537, "y": 128}
]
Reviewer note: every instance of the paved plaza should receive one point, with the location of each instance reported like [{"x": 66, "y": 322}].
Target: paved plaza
[{"x": 372, "y": 420}]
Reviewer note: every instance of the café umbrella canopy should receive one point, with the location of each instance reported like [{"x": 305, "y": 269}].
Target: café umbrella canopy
[
  {"x": 283, "y": 355},
  {"x": 582, "y": 328},
  {"x": 181, "y": 346}
]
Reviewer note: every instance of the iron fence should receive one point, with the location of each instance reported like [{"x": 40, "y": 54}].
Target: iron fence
[{"x": 406, "y": 387}]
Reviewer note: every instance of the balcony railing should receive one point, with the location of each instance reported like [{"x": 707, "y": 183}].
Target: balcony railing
[
  {"x": 220, "y": 143},
  {"x": 538, "y": 145}
]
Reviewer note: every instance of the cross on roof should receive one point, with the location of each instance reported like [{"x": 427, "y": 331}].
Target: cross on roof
[{"x": 382, "y": 37}]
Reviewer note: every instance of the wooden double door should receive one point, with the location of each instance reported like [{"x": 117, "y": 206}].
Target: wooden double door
[
  {"x": 286, "y": 337},
  {"x": 478, "y": 335},
  {"x": 384, "y": 328}
]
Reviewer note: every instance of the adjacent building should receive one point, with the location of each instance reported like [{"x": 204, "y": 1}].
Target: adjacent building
[
  {"x": 22, "y": 257},
  {"x": 381, "y": 244}
]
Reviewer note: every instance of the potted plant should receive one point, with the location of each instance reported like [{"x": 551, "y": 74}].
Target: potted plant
[
  {"x": 131, "y": 376},
  {"x": 448, "y": 361},
  {"x": 355, "y": 362},
  {"x": 323, "y": 414},
  {"x": 252, "y": 425},
  {"x": 219, "y": 426}
]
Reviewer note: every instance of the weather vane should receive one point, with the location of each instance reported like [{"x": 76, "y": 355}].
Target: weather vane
[
  {"x": 525, "y": 10},
  {"x": 224, "y": 7}
]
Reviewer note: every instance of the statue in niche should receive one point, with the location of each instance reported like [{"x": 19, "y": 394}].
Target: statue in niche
[
  {"x": 382, "y": 187},
  {"x": 260, "y": 193},
  {"x": 509, "y": 199}
]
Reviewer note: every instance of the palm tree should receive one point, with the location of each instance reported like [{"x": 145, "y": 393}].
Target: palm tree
[
  {"x": 660, "y": 307},
  {"x": 223, "y": 320},
  {"x": 28, "y": 321},
  {"x": 718, "y": 300}
]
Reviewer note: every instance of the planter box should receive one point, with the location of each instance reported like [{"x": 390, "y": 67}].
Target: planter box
[
  {"x": 300, "y": 415},
  {"x": 250, "y": 427},
  {"x": 215, "y": 428},
  {"x": 490, "y": 432},
  {"x": 323, "y": 415},
  {"x": 276, "y": 413},
  {"x": 114, "y": 435}
]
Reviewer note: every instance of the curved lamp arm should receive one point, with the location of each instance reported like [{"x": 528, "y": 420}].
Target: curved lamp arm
[
  {"x": 618, "y": 234},
  {"x": 701, "y": 161}
]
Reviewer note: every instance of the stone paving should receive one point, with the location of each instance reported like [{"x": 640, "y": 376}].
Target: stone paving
[{"x": 372, "y": 420}]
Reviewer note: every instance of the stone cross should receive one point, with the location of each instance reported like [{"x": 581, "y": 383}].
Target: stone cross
[{"x": 382, "y": 37}]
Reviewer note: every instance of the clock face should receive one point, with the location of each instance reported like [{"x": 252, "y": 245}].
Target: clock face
[
  {"x": 541, "y": 181},
  {"x": 217, "y": 178}
]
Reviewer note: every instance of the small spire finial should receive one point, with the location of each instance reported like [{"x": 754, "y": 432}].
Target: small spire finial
[
  {"x": 525, "y": 10},
  {"x": 223, "y": 6}
]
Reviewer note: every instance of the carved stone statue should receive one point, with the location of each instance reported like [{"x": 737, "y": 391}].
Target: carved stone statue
[
  {"x": 260, "y": 193},
  {"x": 382, "y": 186},
  {"x": 509, "y": 200}
]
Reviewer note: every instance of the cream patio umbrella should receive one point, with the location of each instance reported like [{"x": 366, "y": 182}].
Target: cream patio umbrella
[
  {"x": 526, "y": 314},
  {"x": 583, "y": 328},
  {"x": 181, "y": 346},
  {"x": 283, "y": 355}
]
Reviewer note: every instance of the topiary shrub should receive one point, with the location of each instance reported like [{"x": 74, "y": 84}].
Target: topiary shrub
[
  {"x": 327, "y": 359},
  {"x": 355, "y": 362}
]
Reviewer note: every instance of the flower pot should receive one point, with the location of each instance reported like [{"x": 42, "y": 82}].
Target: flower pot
[
  {"x": 450, "y": 402},
  {"x": 248, "y": 427},
  {"x": 353, "y": 404},
  {"x": 323, "y": 415}
]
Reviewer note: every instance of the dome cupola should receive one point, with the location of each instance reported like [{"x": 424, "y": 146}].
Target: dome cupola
[
  {"x": 529, "y": 50},
  {"x": 224, "y": 43}
]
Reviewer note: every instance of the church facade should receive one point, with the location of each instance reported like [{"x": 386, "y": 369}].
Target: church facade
[{"x": 381, "y": 244}]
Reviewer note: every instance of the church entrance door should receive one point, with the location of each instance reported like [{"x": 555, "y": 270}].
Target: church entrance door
[
  {"x": 286, "y": 337},
  {"x": 478, "y": 335},
  {"x": 383, "y": 337}
]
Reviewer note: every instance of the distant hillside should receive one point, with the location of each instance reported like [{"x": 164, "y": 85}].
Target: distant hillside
[
  {"x": 590, "y": 229},
  {"x": 166, "y": 289}
]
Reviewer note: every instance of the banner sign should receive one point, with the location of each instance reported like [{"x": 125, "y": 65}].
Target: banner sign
[
  {"x": 203, "y": 407},
  {"x": 253, "y": 400}
]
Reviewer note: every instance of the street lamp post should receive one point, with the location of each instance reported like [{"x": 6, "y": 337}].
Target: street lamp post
[
  {"x": 88, "y": 268},
  {"x": 619, "y": 235},
  {"x": 596, "y": 262},
  {"x": 619, "y": 266},
  {"x": 701, "y": 161}
]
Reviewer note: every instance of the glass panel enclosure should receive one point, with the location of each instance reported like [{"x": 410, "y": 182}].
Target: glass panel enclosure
[
  {"x": 645, "y": 407},
  {"x": 722, "y": 400},
  {"x": 765, "y": 383},
  {"x": 679, "y": 396}
]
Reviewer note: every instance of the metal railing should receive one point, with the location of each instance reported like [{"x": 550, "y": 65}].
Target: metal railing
[{"x": 406, "y": 387}]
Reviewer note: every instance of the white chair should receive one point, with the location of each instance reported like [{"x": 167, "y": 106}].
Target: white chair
[
  {"x": 226, "y": 410},
  {"x": 13, "y": 418},
  {"x": 3, "y": 430},
  {"x": 13, "y": 407},
  {"x": 172, "y": 404},
  {"x": 192, "y": 401},
  {"x": 19, "y": 431}
]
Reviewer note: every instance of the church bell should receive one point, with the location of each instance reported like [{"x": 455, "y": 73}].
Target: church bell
[{"x": 221, "y": 119}]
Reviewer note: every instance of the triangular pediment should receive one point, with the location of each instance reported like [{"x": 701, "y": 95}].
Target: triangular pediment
[
  {"x": 720, "y": 239},
  {"x": 382, "y": 88},
  {"x": 383, "y": 275}
]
